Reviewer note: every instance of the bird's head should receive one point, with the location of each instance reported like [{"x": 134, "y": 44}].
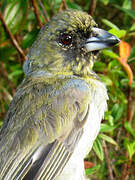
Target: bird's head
[{"x": 68, "y": 45}]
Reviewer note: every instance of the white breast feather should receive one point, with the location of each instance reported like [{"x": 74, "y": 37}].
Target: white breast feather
[{"x": 74, "y": 170}]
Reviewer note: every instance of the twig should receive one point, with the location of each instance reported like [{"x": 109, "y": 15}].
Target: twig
[
  {"x": 14, "y": 41},
  {"x": 34, "y": 4},
  {"x": 63, "y": 3},
  {"x": 125, "y": 168},
  {"x": 130, "y": 114},
  {"x": 130, "y": 106},
  {"x": 44, "y": 11},
  {"x": 92, "y": 7},
  {"x": 118, "y": 138},
  {"x": 5, "y": 75},
  {"x": 108, "y": 161}
]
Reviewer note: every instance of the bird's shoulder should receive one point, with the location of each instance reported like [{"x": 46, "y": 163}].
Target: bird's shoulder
[{"x": 37, "y": 95}]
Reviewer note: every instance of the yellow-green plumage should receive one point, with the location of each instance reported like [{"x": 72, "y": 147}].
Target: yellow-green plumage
[
  {"x": 45, "y": 53},
  {"x": 55, "y": 115}
]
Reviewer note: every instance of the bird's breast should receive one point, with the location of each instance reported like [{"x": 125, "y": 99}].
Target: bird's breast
[{"x": 97, "y": 107}]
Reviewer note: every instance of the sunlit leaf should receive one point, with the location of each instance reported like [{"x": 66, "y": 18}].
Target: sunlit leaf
[
  {"x": 1, "y": 123},
  {"x": 99, "y": 66},
  {"x": 127, "y": 4},
  {"x": 107, "y": 81},
  {"x": 114, "y": 64},
  {"x": 128, "y": 127},
  {"x": 107, "y": 128},
  {"x": 14, "y": 14},
  {"x": 105, "y": 2},
  {"x": 132, "y": 28},
  {"x": 119, "y": 72},
  {"x": 110, "y": 24},
  {"x": 117, "y": 111},
  {"x": 130, "y": 146},
  {"x": 92, "y": 170},
  {"x": 118, "y": 33},
  {"x": 110, "y": 54},
  {"x": 15, "y": 73},
  {"x": 108, "y": 139},
  {"x": 98, "y": 149}
]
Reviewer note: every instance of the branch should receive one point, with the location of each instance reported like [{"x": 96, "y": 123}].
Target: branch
[
  {"x": 92, "y": 7},
  {"x": 108, "y": 161},
  {"x": 13, "y": 40},
  {"x": 130, "y": 114},
  {"x": 63, "y": 4},
  {"x": 34, "y": 4},
  {"x": 44, "y": 11}
]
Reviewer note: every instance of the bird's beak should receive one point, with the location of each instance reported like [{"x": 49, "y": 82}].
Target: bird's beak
[{"x": 101, "y": 39}]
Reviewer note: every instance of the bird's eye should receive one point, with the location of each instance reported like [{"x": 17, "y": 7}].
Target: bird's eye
[{"x": 66, "y": 39}]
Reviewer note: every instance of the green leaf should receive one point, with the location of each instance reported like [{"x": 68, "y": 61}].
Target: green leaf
[
  {"x": 14, "y": 74},
  {"x": 107, "y": 128},
  {"x": 118, "y": 33},
  {"x": 105, "y": 2},
  {"x": 97, "y": 147},
  {"x": 73, "y": 6},
  {"x": 107, "y": 81},
  {"x": 110, "y": 24},
  {"x": 119, "y": 72},
  {"x": 1, "y": 123},
  {"x": 124, "y": 82},
  {"x": 99, "y": 66},
  {"x": 132, "y": 28},
  {"x": 92, "y": 170},
  {"x": 127, "y": 4},
  {"x": 128, "y": 127},
  {"x": 108, "y": 139},
  {"x": 29, "y": 38},
  {"x": 117, "y": 111},
  {"x": 129, "y": 12},
  {"x": 132, "y": 54},
  {"x": 110, "y": 54},
  {"x": 130, "y": 146},
  {"x": 14, "y": 14},
  {"x": 113, "y": 64},
  {"x": 110, "y": 120}
]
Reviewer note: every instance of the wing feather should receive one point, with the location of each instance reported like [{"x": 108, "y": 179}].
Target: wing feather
[
  {"x": 44, "y": 142},
  {"x": 56, "y": 157}
]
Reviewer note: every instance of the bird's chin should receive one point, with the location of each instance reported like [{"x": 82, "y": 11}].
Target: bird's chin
[{"x": 94, "y": 55}]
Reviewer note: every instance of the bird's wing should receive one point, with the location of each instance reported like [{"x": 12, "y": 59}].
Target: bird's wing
[{"x": 40, "y": 146}]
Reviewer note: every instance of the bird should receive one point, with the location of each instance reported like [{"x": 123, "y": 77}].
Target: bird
[{"x": 56, "y": 113}]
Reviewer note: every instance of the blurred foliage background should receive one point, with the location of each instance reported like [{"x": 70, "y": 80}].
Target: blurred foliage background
[{"x": 113, "y": 154}]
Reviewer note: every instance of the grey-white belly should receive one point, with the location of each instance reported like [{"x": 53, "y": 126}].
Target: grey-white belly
[{"x": 74, "y": 169}]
